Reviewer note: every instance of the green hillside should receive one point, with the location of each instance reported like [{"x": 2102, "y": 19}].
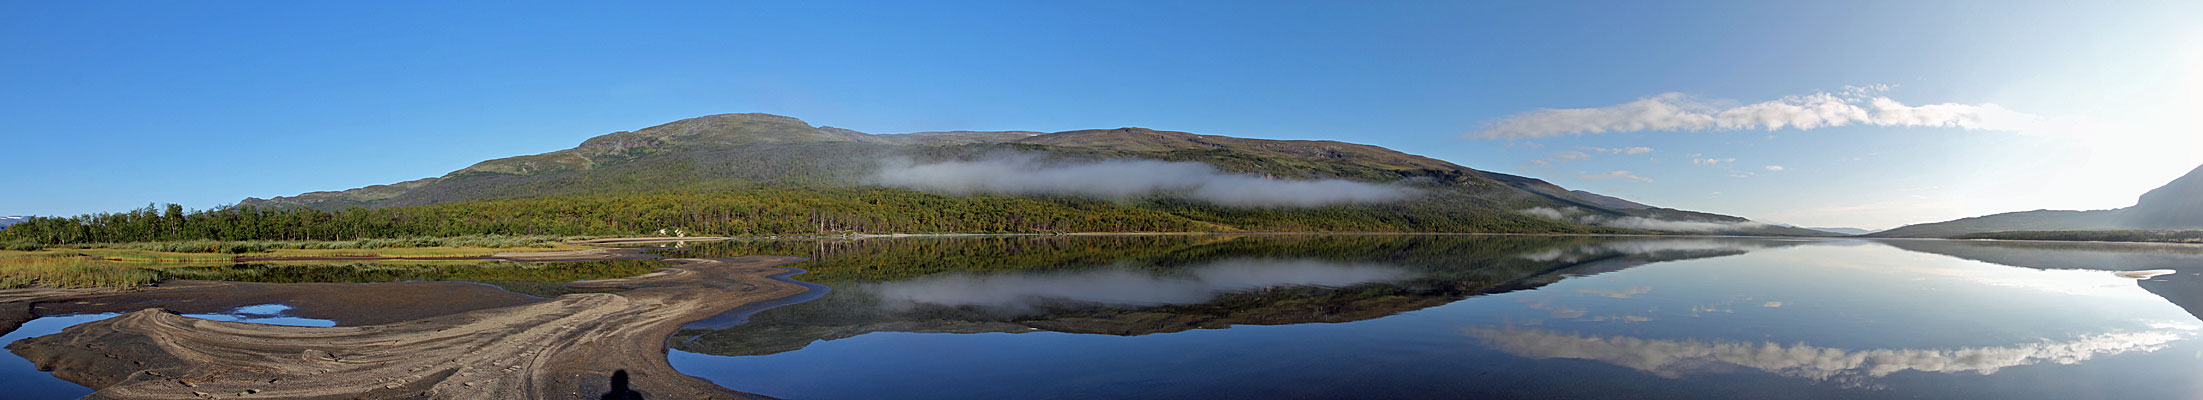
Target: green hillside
[{"x": 758, "y": 174}]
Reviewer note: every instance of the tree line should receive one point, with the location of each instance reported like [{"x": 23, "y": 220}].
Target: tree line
[{"x": 766, "y": 211}]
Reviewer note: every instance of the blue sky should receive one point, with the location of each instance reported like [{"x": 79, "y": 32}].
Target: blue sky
[{"x": 111, "y": 106}]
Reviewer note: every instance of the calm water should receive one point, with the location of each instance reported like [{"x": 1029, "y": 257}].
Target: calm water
[
  {"x": 25, "y": 381},
  {"x": 1465, "y": 316}
]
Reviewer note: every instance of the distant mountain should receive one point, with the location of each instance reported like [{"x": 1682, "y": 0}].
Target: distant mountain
[
  {"x": 2177, "y": 205},
  {"x": 1846, "y": 231},
  {"x": 734, "y": 153},
  {"x": 5, "y": 221}
]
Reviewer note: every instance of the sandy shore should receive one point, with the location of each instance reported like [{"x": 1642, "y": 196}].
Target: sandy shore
[
  {"x": 566, "y": 347},
  {"x": 664, "y": 239}
]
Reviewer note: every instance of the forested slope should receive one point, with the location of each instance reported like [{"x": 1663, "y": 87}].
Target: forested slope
[{"x": 758, "y": 174}]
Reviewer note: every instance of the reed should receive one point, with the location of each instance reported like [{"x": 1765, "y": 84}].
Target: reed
[{"x": 69, "y": 272}]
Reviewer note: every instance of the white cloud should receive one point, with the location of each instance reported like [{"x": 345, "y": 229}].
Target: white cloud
[
  {"x": 1711, "y": 161},
  {"x": 1562, "y": 157},
  {"x": 1546, "y": 213},
  {"x": 1635, "y": 222},
  {"x": 1620, "y": 150},
  {"x": 1616, "y": 174},
  {"x": 1774, "y": 168},
  {"x": 1680, "y": 112},
  {"x": 1028, "y": 174}
]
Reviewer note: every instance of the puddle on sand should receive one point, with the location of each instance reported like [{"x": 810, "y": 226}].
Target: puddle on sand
[{"x": 24, "y": 380}]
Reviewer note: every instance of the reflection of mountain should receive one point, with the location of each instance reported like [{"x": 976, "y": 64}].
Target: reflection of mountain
[
  {"x": 1675, "y": 358},
  {"x": 1099, "y": 285},
  {"x": 2184, "y": 288},
  {"x": 1028, "y": 293}
]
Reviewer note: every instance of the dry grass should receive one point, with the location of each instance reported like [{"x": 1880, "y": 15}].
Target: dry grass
[
  {"x": 54, "y": 270},
  {"x": 408, "y": 252},
  {"x": 123, "y": 267}
]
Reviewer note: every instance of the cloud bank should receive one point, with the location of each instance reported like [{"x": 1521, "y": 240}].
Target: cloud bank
[
  {"x": 1680, "y": 112},
  {"x": 1635, "y": 222},
  {"x": 1674, "y": 358},
  {"x": 1027, "y": 174}
]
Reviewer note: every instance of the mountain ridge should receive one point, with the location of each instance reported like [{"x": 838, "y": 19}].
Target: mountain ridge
[
  {"x": 2175, "y": 205},
  {"x": 739, "y": 151}
]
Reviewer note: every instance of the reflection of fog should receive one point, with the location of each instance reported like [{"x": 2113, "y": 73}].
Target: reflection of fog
[
  {"x": 1677, "y": 247},
  {"x": 1122, "y": 286},
  {"x": 1674, "y": 358}
]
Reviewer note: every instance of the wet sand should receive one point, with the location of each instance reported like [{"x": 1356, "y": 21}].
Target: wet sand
[
  {"x": 348, "y": 304},
  {"x": 408, "y": 339},
  {"x": 636, "y": 240}
]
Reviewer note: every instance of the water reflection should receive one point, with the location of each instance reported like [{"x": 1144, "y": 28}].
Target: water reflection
[
  {"x": 270, "y": 314},
  {"x": 1147, "y": 285},
  {"x": 1674, "y": 248},
  {"x": 1425, "y": 316},
  {"x": 1675, "y": 358},
  {"x": 1024, "y": 293}
]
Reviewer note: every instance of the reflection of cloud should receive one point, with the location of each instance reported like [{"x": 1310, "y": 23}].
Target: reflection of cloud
[
  {"x": 1619, "y": 294},
  {"x": 1120, "y": 286},
  {"x": 1675, "y": 358},
  {"x": 2146, "y": 274},
  {"x": 1558, "y": 310},
  {"x": 1642, "y": 247},
  {"x": 2081, "y": 282}
]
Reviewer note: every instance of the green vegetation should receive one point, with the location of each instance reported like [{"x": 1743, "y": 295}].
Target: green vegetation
[
  {"x": 132, "y": 264},
  {"x": 260, "y": 246},
  {"x": 537, "y": 279},
  {"x": 57, "y": 270},
  {"x": 2169, "y": 236},
  {"x": 127, "y": 267},
  {"x": 755, "y": 212}
]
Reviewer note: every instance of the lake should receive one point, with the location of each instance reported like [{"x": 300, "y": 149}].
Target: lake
[{"x": 1371, "y": 316}]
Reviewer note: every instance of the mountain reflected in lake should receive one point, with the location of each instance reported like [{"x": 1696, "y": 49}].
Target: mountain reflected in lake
[
  {"x": 1375, "y": 316},
  {"x": 1121, "y": 286}
]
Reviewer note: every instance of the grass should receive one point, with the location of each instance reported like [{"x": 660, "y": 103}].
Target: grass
[
  {"x": 257, "y": 246},
  {"x": 133, "y": 264},
  {"x": 54, "y": 270}
]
